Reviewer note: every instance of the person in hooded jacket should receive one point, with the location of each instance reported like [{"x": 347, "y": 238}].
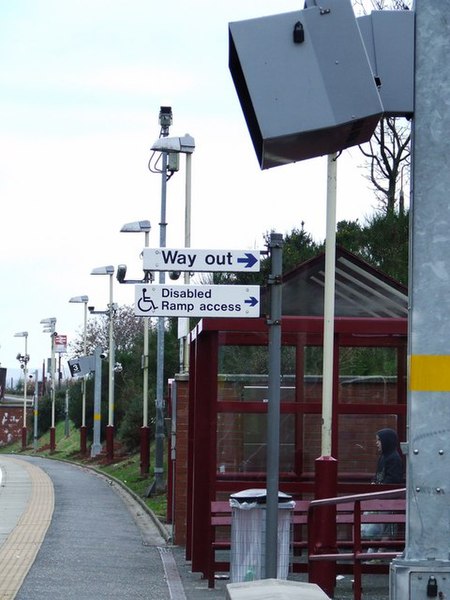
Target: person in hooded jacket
[
  {"x": 390, "y": 465},
  {"x": 389, "y": 470}
]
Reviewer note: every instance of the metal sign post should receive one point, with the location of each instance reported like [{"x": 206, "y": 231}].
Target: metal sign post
[
  {"x": 96, "y": 447},
  {"x": 273, "y": 411}
]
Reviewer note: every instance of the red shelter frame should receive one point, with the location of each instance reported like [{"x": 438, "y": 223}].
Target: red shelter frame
[{"x": 357, "y": 414}]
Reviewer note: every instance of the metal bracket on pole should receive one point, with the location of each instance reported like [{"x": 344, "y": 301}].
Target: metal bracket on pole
[{"x": 273, "y": 412}]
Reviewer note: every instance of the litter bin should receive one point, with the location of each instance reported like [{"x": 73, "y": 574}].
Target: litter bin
[{"x": 248, "y": 535}]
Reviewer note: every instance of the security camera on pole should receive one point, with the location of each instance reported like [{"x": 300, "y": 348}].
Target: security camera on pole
[{"x": 169, "y": 148}]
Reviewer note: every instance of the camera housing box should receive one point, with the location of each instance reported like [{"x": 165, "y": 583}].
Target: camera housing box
[
  {"x": 388, "y": 37},
  {"x": 304, "y": 82}
]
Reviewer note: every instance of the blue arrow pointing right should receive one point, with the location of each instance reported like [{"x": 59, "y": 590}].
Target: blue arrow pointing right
[
  {"x": 249, "y": 259},
  {"x": 252, "y": 301}
]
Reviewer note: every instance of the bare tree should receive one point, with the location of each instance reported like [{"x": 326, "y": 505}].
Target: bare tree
[{"x": 388, "y": 152}]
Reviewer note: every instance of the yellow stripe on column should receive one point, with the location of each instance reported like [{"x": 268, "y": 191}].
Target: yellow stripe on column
[
  {"x": 97, "y": 416},
  {"x": 429, "y": 373}
]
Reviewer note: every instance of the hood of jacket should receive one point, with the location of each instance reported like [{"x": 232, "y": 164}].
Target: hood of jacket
[{"x": 388, "y": 439}]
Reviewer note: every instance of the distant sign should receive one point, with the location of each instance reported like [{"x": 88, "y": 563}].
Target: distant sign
[
  {"x": 231, "y": 301},
  {"x": 81, "y": 366},
  {"x": 60, "y": 344},
  {"x": 188, "y": 259}
]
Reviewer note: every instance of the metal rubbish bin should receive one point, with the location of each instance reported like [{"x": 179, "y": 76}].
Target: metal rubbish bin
[{"x": 248, "y": 535}]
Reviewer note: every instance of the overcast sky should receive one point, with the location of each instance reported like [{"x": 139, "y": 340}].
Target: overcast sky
[{"x": 81, "y": 84}]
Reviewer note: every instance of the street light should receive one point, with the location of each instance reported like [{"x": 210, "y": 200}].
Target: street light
[
  {"x": 83, "y": 437},
  {"x": 181, "y": 145},
  {"x": 109, "y": 270},
  {"x": 23, "y": 359},
  {"x": 50, "y": 324},
  {"x": 168, "y": 145},
  {"x": 137, "y": 227}
]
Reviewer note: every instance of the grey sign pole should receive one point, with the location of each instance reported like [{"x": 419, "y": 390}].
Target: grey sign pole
[
  {"x": 424, "y": 570},
  {"x": 273, "y": 412},
  {"x": 36, "y": 410},
  {"x": 96, "y": 444}
]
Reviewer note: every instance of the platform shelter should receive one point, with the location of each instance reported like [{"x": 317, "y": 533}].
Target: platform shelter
[{"x": 220, "y": 410}]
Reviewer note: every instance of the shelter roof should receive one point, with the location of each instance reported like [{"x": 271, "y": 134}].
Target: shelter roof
[{"x": 360, "y": 291}]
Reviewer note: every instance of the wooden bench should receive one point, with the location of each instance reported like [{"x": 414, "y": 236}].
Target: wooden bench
[
  {"x": 385, "y": 508},
  {"x": 220, "y": 535}
]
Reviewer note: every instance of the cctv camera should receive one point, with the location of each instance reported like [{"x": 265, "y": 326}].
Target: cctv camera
[
  {"x": 104, "y": 355},
  {"x": 174, "y": 275}
]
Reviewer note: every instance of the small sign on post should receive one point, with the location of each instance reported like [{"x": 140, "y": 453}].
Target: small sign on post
[
  {"x": 231, "y": 301},
  {"x": 189, "y": 259}
]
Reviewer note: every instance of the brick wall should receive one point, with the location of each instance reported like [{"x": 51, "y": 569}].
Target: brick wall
[
  {"x": 11, "y": 421},
  {"x": 181, "y": 463}
]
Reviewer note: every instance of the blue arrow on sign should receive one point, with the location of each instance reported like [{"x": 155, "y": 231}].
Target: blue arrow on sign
[
  {"x": 249, "y": 259},
  {"x": 252, "y": 301}
]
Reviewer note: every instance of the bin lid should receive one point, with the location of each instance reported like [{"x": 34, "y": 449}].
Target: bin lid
[{"x": 258, "y": 495}]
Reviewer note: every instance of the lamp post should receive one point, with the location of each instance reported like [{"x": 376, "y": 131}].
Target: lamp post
[
  {"x": 182, "y": 145},
  {"x": 109, "y": 270},
  {"x": 137, "y": 227},
  {"x": 23, "y": 359},
  {"x": 166, "y": 146},
  {"x": 83, "y": 437},
  {"x": 50, "y": 324}
]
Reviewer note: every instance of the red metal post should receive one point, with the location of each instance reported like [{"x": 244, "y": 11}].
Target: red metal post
[
  {"x": 24, "y": 438},
  {"x": 83, "y": 440},
  {"x": 145, "y": 451},
  {"x": 323, "y": 573},
  {"x": 52, "y": 439},
  {"x": 110, "y": 442}
]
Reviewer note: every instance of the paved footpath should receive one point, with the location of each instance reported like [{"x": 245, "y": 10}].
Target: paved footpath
[{"x": 69, "y": 533}]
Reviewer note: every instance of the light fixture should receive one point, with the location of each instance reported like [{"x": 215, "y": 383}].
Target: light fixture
[{"x": 184, "y": 144}]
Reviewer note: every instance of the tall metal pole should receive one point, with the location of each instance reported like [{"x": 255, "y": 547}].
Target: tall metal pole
[
  {"x": 111, "y": 363},
  {"x": 159, "y": 433},
  {"x": 424, "y": 569},
  {"x": 145, "y": 430},
  {"x": 328, "y": 312},
  {"x": 25, "y": 375},
  {"x": 187, "y": 243},
  {"x": 84, "y": 386},
  {"x": 36, "y": 409},
  {"x": 53, "y": 391},
  {"x": 96, "y": 447},
  {"x": 324, "y": 573},
  {"x": 273, "y": 411}
]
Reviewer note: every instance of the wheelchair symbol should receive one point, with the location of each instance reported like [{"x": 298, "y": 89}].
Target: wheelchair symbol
[{"x": 145, "y": 303}]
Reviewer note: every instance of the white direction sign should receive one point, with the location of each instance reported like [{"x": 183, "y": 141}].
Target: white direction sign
[
  {"x": 188, "y": 259},
  {"x": 160, "y": 300}
]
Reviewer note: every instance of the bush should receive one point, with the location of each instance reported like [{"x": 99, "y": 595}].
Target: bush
[
  {"x": 130, "y": 427},
  {"x": 45, "y": 411}
]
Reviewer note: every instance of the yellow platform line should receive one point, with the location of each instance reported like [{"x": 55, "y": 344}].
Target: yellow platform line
[{"x": 19, "y": 551}]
